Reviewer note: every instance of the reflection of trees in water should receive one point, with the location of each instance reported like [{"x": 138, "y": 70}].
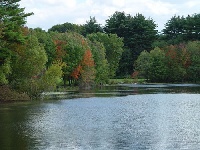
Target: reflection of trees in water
[
  {"x": 126, "y": 89},
  {"x": 166, "y": 89},
  {"x": 12, "y": 127},
  {"x": 194, "y": 89}
]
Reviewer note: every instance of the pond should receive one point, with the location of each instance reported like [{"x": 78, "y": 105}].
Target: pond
[{"x": 124, "y": 117}]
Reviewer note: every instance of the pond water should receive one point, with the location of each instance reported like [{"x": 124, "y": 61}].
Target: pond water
[{"x": 126, "y": 117}]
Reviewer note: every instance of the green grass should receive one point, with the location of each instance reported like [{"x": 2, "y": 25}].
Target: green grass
[{"x": 126, "y": 81}]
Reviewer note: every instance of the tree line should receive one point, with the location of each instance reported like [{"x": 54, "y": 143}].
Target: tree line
[
  {"x": 174, "y": 63},
  {"x": 175, "y": 54},
  {"x": 34, "y": 60}
]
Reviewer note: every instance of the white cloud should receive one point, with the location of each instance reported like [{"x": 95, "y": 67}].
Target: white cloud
[
  {"x": 161, "y": 8},
  {"x": 118, "y": 3},
  {"x": 193, "y": 3},
  {"x": 89, "y": 2},
  {"x": 51, "y": 12}
]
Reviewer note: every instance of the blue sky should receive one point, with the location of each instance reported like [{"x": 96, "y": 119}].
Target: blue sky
[{"x": 51, "y": 12}]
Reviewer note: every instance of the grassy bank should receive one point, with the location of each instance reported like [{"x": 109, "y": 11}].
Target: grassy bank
[
  {"x": 126, "y": 81},
  {"x": 9, "y": 95}
]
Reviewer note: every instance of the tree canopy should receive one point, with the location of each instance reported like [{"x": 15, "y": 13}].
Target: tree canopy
[
  {"x": 113, "y": 46},
  {"x": 138, "y": 34},
  {"x": 66, "y": 27},
  {"x": 12, "y": 19},
  {"x": 182, "y": 29},
  {"x": 91, "y": 26},
  {"x": 174, "y": 63}
]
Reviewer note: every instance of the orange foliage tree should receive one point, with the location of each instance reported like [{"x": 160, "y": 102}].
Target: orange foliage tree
[
  {"x": 77, "y": 72},
  {"x": 88, "y": 70}
]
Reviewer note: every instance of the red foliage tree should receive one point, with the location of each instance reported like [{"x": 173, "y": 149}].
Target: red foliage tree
[
  {"x": 59, "y": 49},
  {"x": 84, "y": 66},
  {"x": 87, "y": 59},
  {"x": 88, "y": 72},
  {"x": 77, "y": 72}
]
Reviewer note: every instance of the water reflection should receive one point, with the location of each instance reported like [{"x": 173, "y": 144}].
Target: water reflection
[
  {"x": 127, "y": 89},
  {"x": 11, "y": 127},
  {"x": 141, "y": 122}
]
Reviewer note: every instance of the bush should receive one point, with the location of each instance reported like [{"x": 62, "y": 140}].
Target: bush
[{"x": 8, "y": 94}]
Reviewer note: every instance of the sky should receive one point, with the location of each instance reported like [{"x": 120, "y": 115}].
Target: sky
[{"x": 48, "y": 13}]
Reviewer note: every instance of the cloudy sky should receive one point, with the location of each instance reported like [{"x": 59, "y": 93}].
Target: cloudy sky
[{"x": 51, "y": 12}]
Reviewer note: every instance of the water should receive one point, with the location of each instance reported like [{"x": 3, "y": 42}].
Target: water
[{"x": 130, "y": 117}]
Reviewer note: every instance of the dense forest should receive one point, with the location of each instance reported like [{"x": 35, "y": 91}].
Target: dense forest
[{"x": 35, "y": 60}]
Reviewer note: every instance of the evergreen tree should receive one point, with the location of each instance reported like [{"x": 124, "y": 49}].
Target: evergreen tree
[
  {"x": 92, "y": 26},
  {"x": 12, "y": 20},
  {"x": 138, "y": 33}
]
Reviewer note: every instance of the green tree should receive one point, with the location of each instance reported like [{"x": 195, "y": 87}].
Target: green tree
[
  {"x": 12, "y": 19},
  {"x": 194, "y": 67},
  {"x": 92, "y": 26},
  {"x": 5, "y": 70},
  {"x": 52, "y": 76},
  {"x": 101, "y": 63},
  {"x": 138, "y": 33},
  {"x": 46, "y": 40},
  {"x": 71, "y": 48},
  {"x": 175, "y": 63},
  {"x": 118, "y": 24},
  {"x": 174, "y": 30},
  {"x": 143, "y": 65},
  {"x": 192, "y": 27},
  {"x": 28, "y": 66},
  {"x": 160, "y": 42},
  {"x": 29, "y": 72},
  {"x": 182, "y": 29},
  {"x": 47, "y": 80},
  {"x": 158, "y": 68},
  {"x": 67, "y": 27},
  {"x": 152, "y": 65},
  {"x": 142, "y": 34},
  {"x": 114, "y": 48}
]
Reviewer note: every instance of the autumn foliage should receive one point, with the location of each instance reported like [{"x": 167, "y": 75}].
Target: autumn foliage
[
  {"x": 180, "y": 63},
  {"x": 77, "y": 72},
  {"x": 88, "y": 72},
  {"x": 59, "y": 49},
  {"x": 87, "y": 59}
]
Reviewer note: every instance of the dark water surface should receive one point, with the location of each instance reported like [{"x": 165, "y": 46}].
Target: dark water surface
[{"x": 128, "y": 117}]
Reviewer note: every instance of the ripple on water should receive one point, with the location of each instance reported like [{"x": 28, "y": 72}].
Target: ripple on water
[
  {"x": 141, "y": 122},
  {"x": 149, "y": 121}
]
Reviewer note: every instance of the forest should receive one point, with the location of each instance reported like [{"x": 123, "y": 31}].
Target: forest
[{"x": 34, "y": 60}]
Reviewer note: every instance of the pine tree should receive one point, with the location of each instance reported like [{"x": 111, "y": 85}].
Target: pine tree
[{"x": 12, "y": 19}]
